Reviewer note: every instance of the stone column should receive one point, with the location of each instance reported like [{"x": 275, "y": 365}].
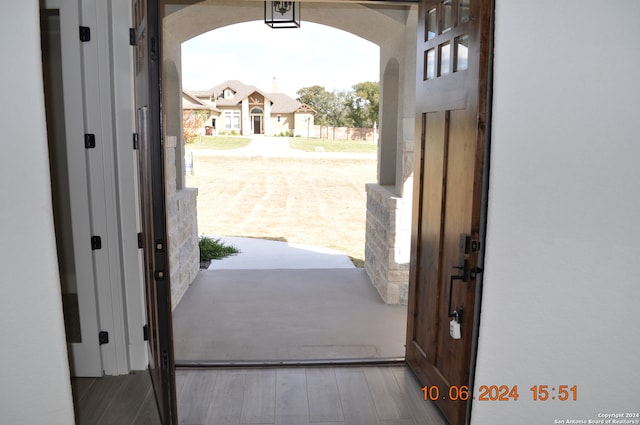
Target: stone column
[
  {"x": 267, "y": 117},
  {"x": 388, "y": 243},
  {"x": 245, "y": 123}
]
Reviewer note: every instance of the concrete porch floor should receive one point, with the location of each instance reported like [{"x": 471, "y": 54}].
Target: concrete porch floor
[{"x": 280, "y": 314}]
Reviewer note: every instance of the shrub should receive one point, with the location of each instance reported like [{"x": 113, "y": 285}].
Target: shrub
[
  {"x": 192, "y": 124},
  {"x": 214, "y": 249}
]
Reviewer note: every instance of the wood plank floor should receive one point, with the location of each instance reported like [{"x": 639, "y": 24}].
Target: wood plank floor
[
  {"x": 122, "y": 400},
  {"x": 368, "y": 395}
]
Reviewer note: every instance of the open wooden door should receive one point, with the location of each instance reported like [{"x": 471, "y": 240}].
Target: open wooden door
[
  {"x": 453, "y": 75},
  {"x": 153, "y": 206}
]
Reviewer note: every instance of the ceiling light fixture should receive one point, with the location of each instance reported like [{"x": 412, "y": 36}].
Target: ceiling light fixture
[{"x": 282, "y": 14}]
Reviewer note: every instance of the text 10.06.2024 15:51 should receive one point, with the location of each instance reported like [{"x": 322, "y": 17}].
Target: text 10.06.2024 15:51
[{"x": 501, "y": 393}]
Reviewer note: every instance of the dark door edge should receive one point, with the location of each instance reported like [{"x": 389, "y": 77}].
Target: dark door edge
[{"x": 484, "y": 211}]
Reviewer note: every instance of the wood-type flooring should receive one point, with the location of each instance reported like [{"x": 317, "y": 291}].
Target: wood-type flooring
[{"x": 368, "y": 395}]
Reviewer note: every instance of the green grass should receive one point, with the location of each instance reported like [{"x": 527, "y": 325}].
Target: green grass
[
  {"x": 214, "y": 249},
  {"x": 352, "y": 146},
  {"x": 219, "y": 142}
]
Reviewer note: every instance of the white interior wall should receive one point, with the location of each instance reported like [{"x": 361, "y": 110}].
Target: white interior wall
[
  {"x": 35, "y": 385},
  {"x": 561, "y": 288}
]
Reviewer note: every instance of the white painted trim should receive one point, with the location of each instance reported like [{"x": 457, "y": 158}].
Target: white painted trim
[
  {"x": 97, "y": 77},
  {"x": 85, "y": 357},
  {"x": 127, "y": 183}
]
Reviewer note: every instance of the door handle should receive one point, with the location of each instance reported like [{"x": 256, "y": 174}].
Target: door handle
[
  {"x": 468, "y": 273},
  {"x": 457, "y": 313}
]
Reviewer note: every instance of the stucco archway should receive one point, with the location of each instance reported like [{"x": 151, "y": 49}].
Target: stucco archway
[
  {"x": 377, "y": 23},
  {"x": 393, "y": 28}
]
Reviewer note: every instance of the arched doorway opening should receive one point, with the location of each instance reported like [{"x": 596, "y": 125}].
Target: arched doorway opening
[{"x": 257, "y": 117}]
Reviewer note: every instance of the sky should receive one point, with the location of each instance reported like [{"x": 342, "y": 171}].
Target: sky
[{"x": 256, "y": 54}]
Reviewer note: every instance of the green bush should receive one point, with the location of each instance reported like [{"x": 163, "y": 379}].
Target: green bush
[{"x": 214, "y": 249}]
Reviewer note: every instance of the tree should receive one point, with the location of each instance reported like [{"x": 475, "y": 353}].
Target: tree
[
  {"x": 192, "y": 124},
  {"x": 320, "y": 100},
  {"x": 356, "y": 108},
  {"x": 337, "y": 112},
  {"x": 363, "y": 104}
]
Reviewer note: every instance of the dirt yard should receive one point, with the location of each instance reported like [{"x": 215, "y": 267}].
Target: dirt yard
[{"x": 320, "y": 202}]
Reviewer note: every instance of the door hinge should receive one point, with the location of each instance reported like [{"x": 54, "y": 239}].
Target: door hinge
[
  {"x": 159, "y": 246},
  {"x": 132, "y": 36},
  {"x": 145, "y": 332},
  {"x": 164, "y": 360},
  {"x": 96, "y": 243},
  {"x": 85, "y": 34},
  {"x": 103, "y": 337},
  {"x": 153, "y": 53},
  {"x": 89, "y": 141},
  {"x": 481, "y": 124},
  {"x": 475, "y": 245},
  {"x": 140, "y": 243},
  {"x": 136, "y": 142}
]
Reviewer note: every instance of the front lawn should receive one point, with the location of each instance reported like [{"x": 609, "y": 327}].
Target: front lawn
[
  {"x": 323, "y": 145},
  {"x": 309, "y": 201},
  {"x": 219, "y": 142}
]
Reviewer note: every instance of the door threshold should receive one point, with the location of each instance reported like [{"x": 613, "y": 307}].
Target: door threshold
[{"x": 369, "y": 361}]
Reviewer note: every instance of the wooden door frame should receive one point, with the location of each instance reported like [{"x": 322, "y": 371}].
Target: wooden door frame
[
  {"x": 484, "y": 206},
  {"x": 161, "y": 271},
  {"x": 483, "y": 219},
  {"x": 148, "y": 104}
]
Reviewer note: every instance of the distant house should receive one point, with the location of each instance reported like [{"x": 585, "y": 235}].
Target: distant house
[
  {"x": 247, "y": 110},
  {"x": 191, "y": 105}
]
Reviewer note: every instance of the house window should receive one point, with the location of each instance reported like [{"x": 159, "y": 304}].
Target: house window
[
  {"x": 228, "y": 94},
  {"x": 232, "y": 120}
]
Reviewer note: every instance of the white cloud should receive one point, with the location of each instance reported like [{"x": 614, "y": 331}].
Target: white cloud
[{"x": 254, "y": 54}]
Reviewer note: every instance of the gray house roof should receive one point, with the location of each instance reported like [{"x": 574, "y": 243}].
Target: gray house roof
[
  {"x": 283, "y": 104},
  {"x": 280, "y": 102},
  {"x": 192, "y": 101}
]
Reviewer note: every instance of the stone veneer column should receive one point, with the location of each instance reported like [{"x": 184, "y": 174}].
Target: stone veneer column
[
  {"x": 182, "y": 228},
  {"x": 388, "y": 243}
]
